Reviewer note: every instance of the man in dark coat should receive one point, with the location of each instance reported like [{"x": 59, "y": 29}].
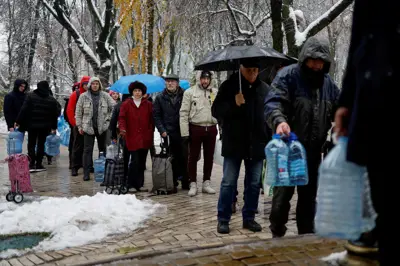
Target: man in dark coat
[
  {"x": 13, "y": 102},
  {"x": 302, "y": 100},
  {"x": 166, "y": 109},
  {"x": 369, "y": 110},
  {"x": 244, "y": 139},
  {"x": 39, "y": 116}
]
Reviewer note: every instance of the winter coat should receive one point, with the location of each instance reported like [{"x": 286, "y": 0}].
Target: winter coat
[
  {"x": 166, "y": 113},
  {"x": 138, "y": 124},
  {"x": 73, "y": 99},
  {"x": 307, "y": 106},
  {"x": 13, "y": 102},
  {"x": 196, "y": 108},
  {"x": 244, "y": 132},
  {"x": 114, "y": 128},
  {"x": 84, "y": 111},
  {"x": 40, "y": 110}
]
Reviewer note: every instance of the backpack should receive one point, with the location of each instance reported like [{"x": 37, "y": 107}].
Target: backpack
[{"x": 66, "y": 106}]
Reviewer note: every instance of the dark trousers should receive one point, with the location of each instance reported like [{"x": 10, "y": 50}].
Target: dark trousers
[
  {"x": 77, "y": 149},
  {"x": 127, "y": 157},
  {"x": 71, "y": 146},
  {"x": 205, "y": 136},
  {"x": 88, "y": 145},
  {"x": 37, "y": 137},
  {"x": 137, "y": 165},
  {"x": 179, "y": 160},
  {"x": 306, "y": 203}
]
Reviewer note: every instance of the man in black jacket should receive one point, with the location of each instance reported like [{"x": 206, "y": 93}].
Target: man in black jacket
[
  {"x": 302, "y": 99},
  {"x": 244, "y": 138},
  {"x": 13, "y": 102},
  {"x": 39, "y": 116},
  {"x": 166, "y": 109}
]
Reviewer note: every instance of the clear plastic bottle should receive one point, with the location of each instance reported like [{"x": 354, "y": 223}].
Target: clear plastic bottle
[
  {"x": 277, "y": 153},
  {"x": 298, "y": 171},
  {"x": 340, "y": 196},
  {"x": 99, "y": 165},
  {"x": 112, "y": 151}
]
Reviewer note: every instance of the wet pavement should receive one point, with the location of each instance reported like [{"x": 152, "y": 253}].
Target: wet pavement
[{"x": 190, "y": 223}]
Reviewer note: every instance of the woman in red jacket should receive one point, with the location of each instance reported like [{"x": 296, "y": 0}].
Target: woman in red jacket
[{"x": 136, "y": 127}]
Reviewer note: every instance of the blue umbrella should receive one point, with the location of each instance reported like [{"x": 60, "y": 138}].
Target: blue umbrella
[
  {"x": 184, "y": 84},
  {"x": 153, "y": 83}
]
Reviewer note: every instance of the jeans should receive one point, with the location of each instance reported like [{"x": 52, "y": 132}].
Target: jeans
[
  {"x": 37, "y": 136},
  {"x": 88, "y": 145},
  {"x": 231, "y": 169}
]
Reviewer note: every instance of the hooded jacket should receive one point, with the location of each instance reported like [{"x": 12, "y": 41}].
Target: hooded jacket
[
  {"x": 73, "y": 99},
  {"x": 13, "y": 102},
  {"x": 306, "y": 100},
  {"x": 84, "y": 110},
  {"x": 40, "y": 110}
]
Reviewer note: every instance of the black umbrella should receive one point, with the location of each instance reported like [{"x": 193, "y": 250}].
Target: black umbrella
[{"x": 229, "y": 58}]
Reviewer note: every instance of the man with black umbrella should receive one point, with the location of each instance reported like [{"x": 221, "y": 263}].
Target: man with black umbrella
[{"x": 239, "y": 104}]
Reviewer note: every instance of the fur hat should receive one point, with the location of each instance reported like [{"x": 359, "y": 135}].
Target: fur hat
[{"x": 137, "y": 85}]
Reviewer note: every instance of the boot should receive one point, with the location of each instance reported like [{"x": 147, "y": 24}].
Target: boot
[
  {"x": 223, "y": 227},
  {"x": 74, "y": 171},
  {"x": 252, "y": 226}
]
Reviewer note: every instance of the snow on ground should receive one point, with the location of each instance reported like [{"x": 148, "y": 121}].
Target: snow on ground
[
  {"x": 3, "y": 126},
  {"x": 76, "y": 221},
  {"x": 336, "y": 259}
]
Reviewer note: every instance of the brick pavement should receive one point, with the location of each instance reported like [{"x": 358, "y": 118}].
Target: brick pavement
[{"x": 189, "y": 222}]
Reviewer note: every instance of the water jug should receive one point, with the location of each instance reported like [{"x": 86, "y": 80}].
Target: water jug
[
  {"x": 65, "y": 136},
  {"x": 14, "y": 142},
  {"x": 298, "y": 173},
  {"x": 369, "y": 214},
  {"x": 99, "y": 165},
  {"x": 112, "y": 151},
  {"x": 52, "y": 145},
  {"x": 277, "y": 153},
  {"x": 340, "y": 195}
]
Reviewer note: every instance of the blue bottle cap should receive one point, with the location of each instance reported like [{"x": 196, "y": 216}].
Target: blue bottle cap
[
  {"x": 293, "y": 136},
  {"x": 276, "y": 136}
]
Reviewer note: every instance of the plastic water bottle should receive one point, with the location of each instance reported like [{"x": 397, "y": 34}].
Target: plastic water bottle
[
  {"x": 65, "y": 136},
  {"x": 112, "y": 151},
  {"x": 369, "y": 214},
  {"x": 52, "y": 145},
  {"x": 14, "y": 142},
  {"x": 277, "y": 153},
  {"x": 99, "y": 165},
  {"x": 340, "y": 196},
  {"x": 297, "y": 162}
]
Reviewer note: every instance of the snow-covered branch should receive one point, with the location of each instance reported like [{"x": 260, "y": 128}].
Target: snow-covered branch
[
  {"x": 96, "y": 14},
  {"x": 3, "y": 82},
  {"x": 320, "y": 23}
]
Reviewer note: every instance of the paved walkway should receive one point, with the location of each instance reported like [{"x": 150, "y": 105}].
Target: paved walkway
[{"x": 189, "y": 222}]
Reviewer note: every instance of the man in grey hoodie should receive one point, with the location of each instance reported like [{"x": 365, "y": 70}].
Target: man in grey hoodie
[{"x": 93, "y": 115}]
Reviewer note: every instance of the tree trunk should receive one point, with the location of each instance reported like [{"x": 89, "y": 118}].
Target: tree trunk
[
  {"x": 32, "y": 46},
  {"x": 276, "y": 17},
  {"x": 49, "y": 47},
  {"x": 288, "y": 23},
  {"x": 71, "y": 63},
  {"x": 172, "y": 52},
  {"x": 150, "y": 37}
]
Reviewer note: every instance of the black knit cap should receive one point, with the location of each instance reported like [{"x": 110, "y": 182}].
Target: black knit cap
[
  {"x": 137, "y": 85},
  {"x": 206, "y": 74}
]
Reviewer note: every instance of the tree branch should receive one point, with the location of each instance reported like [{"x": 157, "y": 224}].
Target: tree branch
[{"x": 93, "y": 10}]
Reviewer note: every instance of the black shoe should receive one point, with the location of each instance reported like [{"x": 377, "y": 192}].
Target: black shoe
[
  {"x": 223, "y": 227},
  {"x": 32, "y": 166},
  {"x": 365, "y": 246},
  {"x": 102, "y": 184},
  {"x": 86, "y": 178},
  {"x": 252, "y": 226},
  {"x": 40, "y": 167},
  {"x": 49, "y": 161},
  {"x": 185, "y": 186},
  {"x": 74, "y": 171}
]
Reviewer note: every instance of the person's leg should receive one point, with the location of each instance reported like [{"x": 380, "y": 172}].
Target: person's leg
[
  {"x": 228, "y": 188},
  {"x": 77, "y": 152},
  {"x": 195, "y": 147},
  {"x": 41, "y": 139},
  {"x": 280, "y": 210},
  {"x": 32, "y": 139},
  {"x": 127, "y": 157},
  {"x": 88, "y": 144},
  {"x": 178, "y": 165},
  {"x": 251, "y": 193},
  {"x": 142, "y": 166},
  {"x": 102, "y": 141},
  {"x": 208, "y": 152},
  {"x": 306, "y": 201},
  {"x": 134, "y": 171},
  {"x": 71, "y": 146}
]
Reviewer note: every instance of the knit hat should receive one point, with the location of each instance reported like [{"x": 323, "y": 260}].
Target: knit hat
[
  {"x": 206, "y": 74},
  {"x": 137, "y": 85}
]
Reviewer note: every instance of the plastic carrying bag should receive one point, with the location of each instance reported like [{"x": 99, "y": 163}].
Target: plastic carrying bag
[{"x": 218, "y": 159}]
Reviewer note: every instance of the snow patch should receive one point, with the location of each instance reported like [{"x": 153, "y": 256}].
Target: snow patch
[
  {"x": 76, "y": 221},
  {"x": 336, "y": 259}
]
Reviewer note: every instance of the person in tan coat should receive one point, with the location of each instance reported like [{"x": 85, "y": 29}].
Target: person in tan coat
[{"x": 198, "y": 125}]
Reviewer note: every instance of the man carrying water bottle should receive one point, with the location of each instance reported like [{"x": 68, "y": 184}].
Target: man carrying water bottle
[{"x": 303, "y": 100}]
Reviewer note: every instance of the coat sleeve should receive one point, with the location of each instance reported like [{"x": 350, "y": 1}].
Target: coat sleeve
[
  {"x": 26, "y": 109},
  {"x": 79, "y": 112},
  {"x": 157, "y": 114},
  {"x": 184, "y": 113},
  {"x": 7, "y": 110},
  {"x": 111, "y": 103},
  {"x": 277, "y": 101},
  {"x": 114, "y": 121},
  {"x": 151, "y": 123},
  {"x": 224, "y": 105},
  {"x": 71, "y": 109},
  {"x": 122, "y": 117}
]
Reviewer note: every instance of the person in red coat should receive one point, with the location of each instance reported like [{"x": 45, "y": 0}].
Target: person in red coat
[{"x": 136, "y": 126}]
